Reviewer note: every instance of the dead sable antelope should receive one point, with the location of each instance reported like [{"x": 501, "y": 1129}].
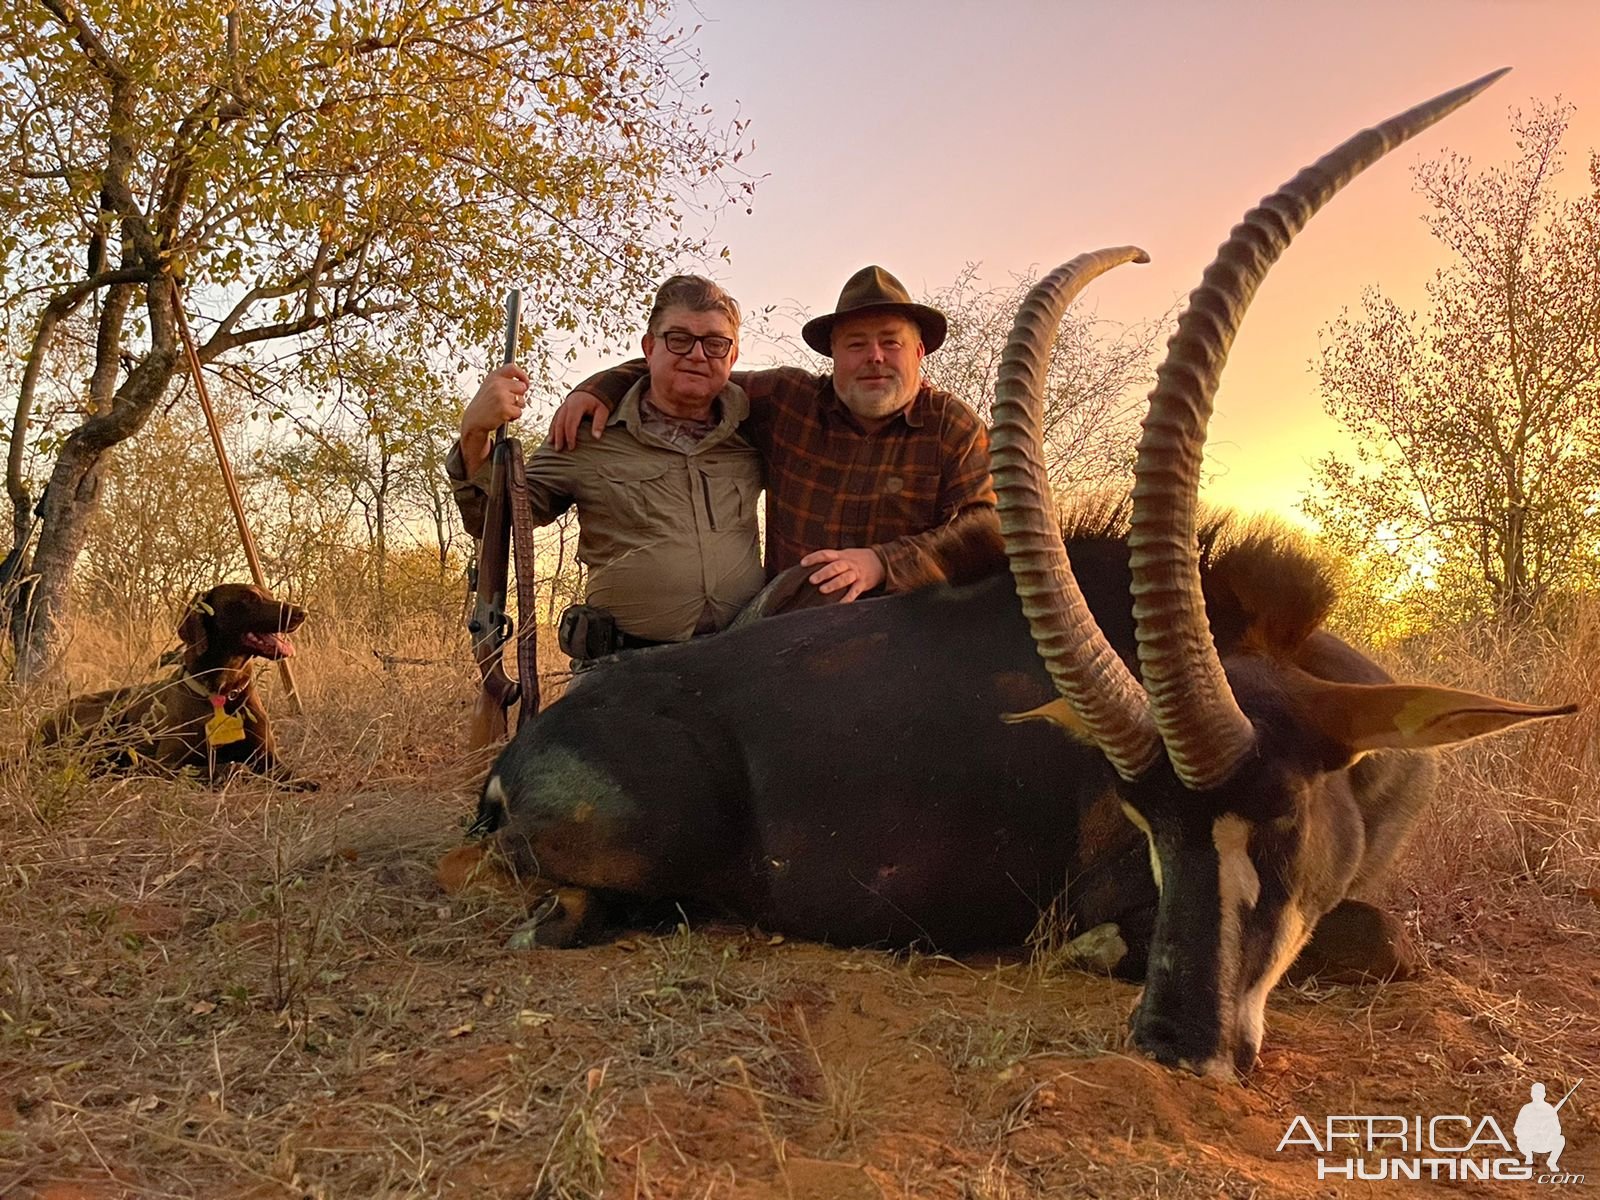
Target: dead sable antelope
[
  {"x": 1233, "y": 777},
  {"x": 207, "y": 715}
]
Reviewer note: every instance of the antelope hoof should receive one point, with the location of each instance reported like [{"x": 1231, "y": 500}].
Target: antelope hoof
[
  {"x": 1099, "y": 949},
  {"x": 559, "y": 920}
]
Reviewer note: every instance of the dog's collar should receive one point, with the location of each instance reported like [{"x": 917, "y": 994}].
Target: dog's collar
[{"x": 199, "y": 689}]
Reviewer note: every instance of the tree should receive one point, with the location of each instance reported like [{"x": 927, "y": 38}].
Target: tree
[
  {"x": 389, "y": 430},
  {"x": 305, "y": 165},
  {"x": 1477, "y": 463}
]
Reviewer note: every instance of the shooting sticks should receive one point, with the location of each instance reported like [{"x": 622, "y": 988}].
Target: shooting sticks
[{"x": 227, "y": 475}]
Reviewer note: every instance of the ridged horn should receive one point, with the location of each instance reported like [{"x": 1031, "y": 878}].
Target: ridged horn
[
  {"x": 1206, "y": 734},
  {"x": 1087, "y": 672}
]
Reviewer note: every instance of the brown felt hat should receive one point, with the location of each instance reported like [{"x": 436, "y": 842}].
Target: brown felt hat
[{"x": 872, "y": 289}]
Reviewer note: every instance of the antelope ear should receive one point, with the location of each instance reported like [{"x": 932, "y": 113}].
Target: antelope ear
[
  {"x": 1407, "y": 716},
  {"x": 1060, "y": 714}
]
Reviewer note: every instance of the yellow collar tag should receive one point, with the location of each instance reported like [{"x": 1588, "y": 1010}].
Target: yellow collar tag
[{"x": 224, "y": 727}]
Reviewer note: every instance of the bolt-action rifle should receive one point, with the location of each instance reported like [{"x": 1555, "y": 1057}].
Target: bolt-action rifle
[{"x": 488, "y": 579}]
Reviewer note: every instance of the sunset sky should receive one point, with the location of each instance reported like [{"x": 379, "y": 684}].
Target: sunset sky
[{"x": 926, "y": 135}]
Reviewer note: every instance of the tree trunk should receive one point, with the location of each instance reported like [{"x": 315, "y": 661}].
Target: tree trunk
[
  {"x": 73, "y": 492},
  {"x": 380, "y": 545},
  {"x": 441, "y": 532},
  {"x": 555, "y": 576},
  {"x": 1519, "y": 603},
  {"x": 41, "y": 611}
]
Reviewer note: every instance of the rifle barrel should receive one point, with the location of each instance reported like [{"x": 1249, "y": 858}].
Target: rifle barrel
[
  {"x": 513, "y": 324},
  {"x": 513, "y": 330}
]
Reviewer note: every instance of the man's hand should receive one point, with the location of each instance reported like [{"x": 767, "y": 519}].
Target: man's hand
[
  {"x": 500, "y": 399},
  {"x": 859, "y": 570},
  {"x": 567, "y": 424}
]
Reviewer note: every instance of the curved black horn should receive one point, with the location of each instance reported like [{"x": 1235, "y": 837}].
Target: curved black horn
[
  {"x": 1205, "y": 732},
  {"x": 1087, "y": 671}
]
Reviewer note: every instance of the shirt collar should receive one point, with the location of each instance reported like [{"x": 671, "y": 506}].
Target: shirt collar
[{"x": 732, "y": 405}]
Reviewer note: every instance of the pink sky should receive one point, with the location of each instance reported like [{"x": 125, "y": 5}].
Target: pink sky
[{"x": 925, "y": 135}]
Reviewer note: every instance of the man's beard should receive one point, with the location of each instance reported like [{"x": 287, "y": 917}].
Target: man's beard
[{"x": 872, "y": 405}]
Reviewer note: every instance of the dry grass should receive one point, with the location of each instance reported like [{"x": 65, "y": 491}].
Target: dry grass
[
  {"x": 1518, "y": 812},
  {"x": 252, "y": 993}
]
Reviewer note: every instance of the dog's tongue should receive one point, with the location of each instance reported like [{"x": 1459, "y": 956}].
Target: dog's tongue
[{"x": 270, "y": 645}]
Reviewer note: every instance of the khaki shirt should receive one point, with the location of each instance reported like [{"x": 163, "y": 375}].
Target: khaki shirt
[{"x": 665, "y": 532}]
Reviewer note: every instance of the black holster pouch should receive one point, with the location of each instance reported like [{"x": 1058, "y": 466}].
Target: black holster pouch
[{"x": 587, "y": 632}]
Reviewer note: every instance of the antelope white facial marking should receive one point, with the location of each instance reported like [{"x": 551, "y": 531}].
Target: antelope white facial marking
[
  {"x": 1291, "y": 937},
  {"x": 1236, "y": 874},
  {"x": 1240, "y": 885},
  {"x": 1134, "y": 815},
  {"x": 1238, "y": 890}
]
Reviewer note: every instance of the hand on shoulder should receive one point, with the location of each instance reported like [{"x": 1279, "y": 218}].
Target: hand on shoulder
[{"x": 567, "y": 425}]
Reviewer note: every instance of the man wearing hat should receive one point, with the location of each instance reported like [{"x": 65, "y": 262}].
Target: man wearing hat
[{"x": 866, "y": 468}]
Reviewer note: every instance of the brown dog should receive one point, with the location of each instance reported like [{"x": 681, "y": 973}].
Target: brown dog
[{"x": 207, "y": 715}]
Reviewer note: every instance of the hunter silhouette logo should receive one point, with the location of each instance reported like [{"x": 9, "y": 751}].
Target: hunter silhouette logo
[
  {"x": 1449, "y": 1147},
  {"x": 1538, "y": 1127}
]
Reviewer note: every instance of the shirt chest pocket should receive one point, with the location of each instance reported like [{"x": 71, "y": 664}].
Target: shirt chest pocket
[
  {"x": 644, "y": 496},
  {"x": 728, "y": 491},
  {"x": 910, "y": 492}
]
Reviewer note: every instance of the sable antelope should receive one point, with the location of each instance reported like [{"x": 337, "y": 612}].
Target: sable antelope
[{"x": 850, "y": 773}]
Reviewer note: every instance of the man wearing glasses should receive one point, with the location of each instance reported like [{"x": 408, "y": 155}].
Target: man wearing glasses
[{"x": 666, "y": 500}]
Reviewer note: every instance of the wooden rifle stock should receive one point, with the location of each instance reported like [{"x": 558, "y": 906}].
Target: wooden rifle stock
[{"x": 490, "y": 624}]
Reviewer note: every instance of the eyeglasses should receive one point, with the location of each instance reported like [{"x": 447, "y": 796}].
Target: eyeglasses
[{"x": 681, "y": 342}]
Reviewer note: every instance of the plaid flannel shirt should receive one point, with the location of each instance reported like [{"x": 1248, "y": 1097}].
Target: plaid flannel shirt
[{"x": 831, "y": 485}]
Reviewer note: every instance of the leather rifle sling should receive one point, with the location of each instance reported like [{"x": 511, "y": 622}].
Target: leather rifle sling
[{"x": 522, "y": 529}]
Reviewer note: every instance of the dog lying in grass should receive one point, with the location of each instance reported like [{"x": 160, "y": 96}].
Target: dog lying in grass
[{"x": 205, "y": 717}]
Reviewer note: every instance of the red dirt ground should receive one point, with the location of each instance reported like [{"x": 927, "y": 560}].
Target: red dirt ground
[{"x": 150, "y": 1047}]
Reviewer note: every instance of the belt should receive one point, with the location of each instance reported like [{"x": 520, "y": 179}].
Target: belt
[{"x": 627, "y": 641}]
